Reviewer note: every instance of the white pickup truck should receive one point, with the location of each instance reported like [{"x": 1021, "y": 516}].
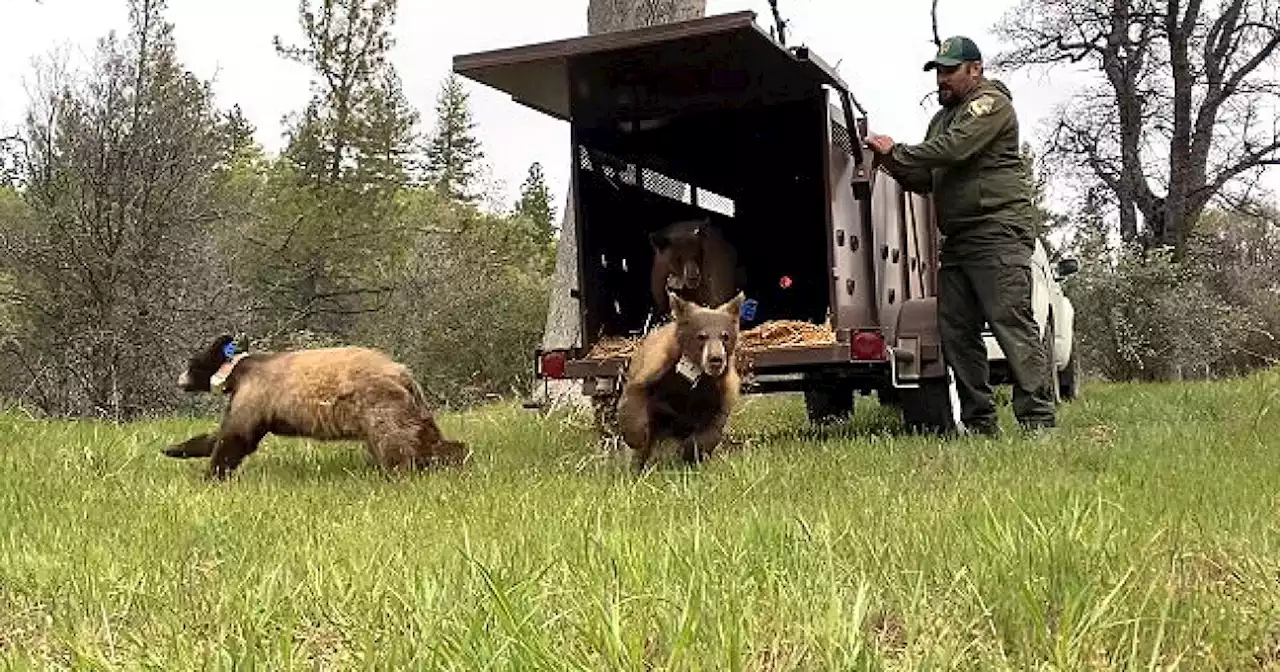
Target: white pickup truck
[{"x": 1056, "y": 318}]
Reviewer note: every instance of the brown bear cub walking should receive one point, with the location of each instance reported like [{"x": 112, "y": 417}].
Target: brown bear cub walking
[
  {"x": 693, "y": 260},
  {"x": 682, "y": 383},
  {"x": 327, "y": 394}
]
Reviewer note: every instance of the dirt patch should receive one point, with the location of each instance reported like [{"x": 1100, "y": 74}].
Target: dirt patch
[
  {"x": 889, "y": 631},
  {"x": 323, "y": 644},
  {"x": 26, "y": 629},
  {"x": 1267, "y": 656}
]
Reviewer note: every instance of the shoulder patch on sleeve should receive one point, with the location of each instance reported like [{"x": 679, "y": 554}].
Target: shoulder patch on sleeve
[{"x": 981, "y": 106}]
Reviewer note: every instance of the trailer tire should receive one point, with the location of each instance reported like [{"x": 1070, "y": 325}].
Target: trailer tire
[
  {"x": 931, "y": 408},
  {"x": 828, "y": 402},
  {"x": 605, "y": 415},
  {"x": 889, "y": 396}
]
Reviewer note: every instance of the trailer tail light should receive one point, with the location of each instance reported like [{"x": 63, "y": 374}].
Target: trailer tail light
[
  {"x": 551, "y": 364},
  {"x": 868, "y": 345}
]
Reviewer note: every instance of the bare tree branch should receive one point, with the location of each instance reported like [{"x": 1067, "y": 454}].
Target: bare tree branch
[
  {"x": 779, "y": 23},
  {"x": 1185, "y": 92},
  {"x": 933, "y": 14}
]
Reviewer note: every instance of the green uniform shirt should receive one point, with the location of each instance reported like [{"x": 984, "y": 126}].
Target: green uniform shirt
[{"x": 970, "y": 163}]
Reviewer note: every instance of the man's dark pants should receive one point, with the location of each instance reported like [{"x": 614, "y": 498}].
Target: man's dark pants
[{"x": 998, "y": 292}]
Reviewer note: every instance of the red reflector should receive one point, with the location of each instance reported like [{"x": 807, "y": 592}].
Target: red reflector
[
  {"x": 868, "y": 345},
  {"x": 553, "y": 364}
]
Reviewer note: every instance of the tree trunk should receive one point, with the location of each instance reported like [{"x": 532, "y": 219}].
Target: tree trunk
[
  {"x": 1188, "y": 79},
  {"x": 563, "y": 328},
  {"x": 563, "y": 325}
]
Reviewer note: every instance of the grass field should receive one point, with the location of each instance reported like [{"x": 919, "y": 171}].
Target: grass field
[{"x": 1143, "y": 534}]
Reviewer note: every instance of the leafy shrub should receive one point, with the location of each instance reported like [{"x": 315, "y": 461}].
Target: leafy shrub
[{"x": 1141, "y": 315}]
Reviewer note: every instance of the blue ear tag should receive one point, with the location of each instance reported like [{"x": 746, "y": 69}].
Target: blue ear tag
[
  {"x": 748, "y": 312},
  {"x": 229, "y": 350}
]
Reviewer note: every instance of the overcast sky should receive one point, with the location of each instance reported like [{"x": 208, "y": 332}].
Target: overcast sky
[{"x": 878, "y": 46}]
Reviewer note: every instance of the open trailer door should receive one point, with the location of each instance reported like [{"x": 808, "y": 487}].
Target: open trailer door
[
  {"x": 712, "y": 114},
  {"x": 666, "y": 68}
]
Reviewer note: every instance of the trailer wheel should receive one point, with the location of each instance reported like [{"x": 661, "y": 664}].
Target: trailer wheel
[
  {"x": 889, "y": 396},
  {"x": 828, "y": 402},
  {"x": 605, "y": 414},
  {"x": 931, "y": 408}
]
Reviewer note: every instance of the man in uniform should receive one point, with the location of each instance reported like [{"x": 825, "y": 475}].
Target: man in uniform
[{"x": 970, "y": 162}]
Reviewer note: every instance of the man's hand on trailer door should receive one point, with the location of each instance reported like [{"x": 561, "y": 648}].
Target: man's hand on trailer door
[{"x": 880, "y": 144}]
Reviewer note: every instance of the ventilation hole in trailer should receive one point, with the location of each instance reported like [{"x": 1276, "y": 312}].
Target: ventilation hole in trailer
[
  {"x": 840, "y": 237},
  {"x": 913, "y": 263},
  {"x": 895, "y": 256},
  {"x": 853, "y": 243},
  {"x": 884, "y": 251},
  {"x": 655, "y": 182},
  {"x": 710, "y": 200},
  {"x": 848, "y": 286},
  {"x": 624, "y": 265},
  {"x": 891, "y": 296},
  {"x": 666, "y": 186},
  {"x": 617, "y": 307},
  {"x": 840, "y": 136}
]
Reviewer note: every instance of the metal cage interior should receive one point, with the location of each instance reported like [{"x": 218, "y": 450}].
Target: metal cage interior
[
  {"x": 756, "y": 172},
  {"x": 702, "y": 118}
]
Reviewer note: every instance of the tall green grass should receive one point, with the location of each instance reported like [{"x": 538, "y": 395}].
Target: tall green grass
[{"x": 1143, "y": 534}]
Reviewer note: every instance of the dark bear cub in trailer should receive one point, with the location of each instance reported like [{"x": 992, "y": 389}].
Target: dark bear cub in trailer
[
  {"x": 682, "y": 382},
  {"x": 693, "y": 260},
  {"x": 327, "y": 394}
]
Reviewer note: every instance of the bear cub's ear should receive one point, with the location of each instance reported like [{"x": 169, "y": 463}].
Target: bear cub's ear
[
  {"x": 679, "y": 307},
  {"x": 658, "y": 241},
  {"x": 733, "y": 306}
]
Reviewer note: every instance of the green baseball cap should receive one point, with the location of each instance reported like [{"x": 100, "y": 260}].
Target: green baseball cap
[{"x": 954, "y": 51}]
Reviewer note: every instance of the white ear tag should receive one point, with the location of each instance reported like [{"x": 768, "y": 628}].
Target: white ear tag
[
  {"x": 220, "y": 376},
  {"x": 689, "y": 369}
]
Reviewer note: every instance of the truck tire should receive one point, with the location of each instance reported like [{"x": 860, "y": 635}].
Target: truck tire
[
  {"x": 828, "y": 402},
  {"x": 1069, "y": 378},
  {"x": 931, "y": 408},
  {"x": 1051, "y": 354}
]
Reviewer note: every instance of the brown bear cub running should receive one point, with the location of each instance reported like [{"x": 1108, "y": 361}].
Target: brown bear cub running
[
  {"x": 327, "y": 394},
  {"x": 682, "y": 382}
]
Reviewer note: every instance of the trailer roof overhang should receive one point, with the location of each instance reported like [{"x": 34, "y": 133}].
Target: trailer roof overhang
[{"x": 640, "y": 74}]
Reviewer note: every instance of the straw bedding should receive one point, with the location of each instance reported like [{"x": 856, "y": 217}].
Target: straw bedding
[{"x": 767, "y": 336}]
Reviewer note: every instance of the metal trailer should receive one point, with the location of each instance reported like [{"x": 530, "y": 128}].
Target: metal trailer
[{"x": 713, "y": 118}]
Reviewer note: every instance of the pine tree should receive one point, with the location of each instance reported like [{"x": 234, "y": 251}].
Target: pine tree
[
  {"x": 1044, "y": 221},
  {"x": 357, "y": 130},
  {"x": 535, "y": 202},
  {"x": 453, "y": 153},
  {"x": 334, "y": 218},
  {"x": 239, "y": 130}
]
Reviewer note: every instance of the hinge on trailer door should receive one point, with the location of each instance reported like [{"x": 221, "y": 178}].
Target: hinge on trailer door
[{"x": 861, "y": 182}]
